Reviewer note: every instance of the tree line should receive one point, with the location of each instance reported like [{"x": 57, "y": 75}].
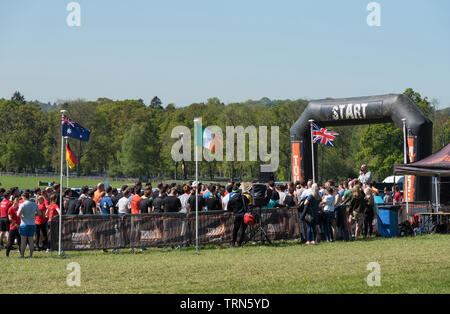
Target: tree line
[{"x": 131, "y": 139}]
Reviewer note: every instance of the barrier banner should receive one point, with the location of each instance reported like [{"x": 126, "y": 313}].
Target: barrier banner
[
  {"x": 92, "y": 232},
  {"x": 213, "y": 227},
  {"x": 87, "y": 232},
  {"x": 280, "y": 224},
  {"x": 156, "y": 230}
]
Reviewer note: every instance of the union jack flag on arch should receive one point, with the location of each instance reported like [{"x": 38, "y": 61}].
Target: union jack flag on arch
[{"x": 322, "y": 135}]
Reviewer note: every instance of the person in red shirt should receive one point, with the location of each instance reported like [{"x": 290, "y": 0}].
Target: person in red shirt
[
  {"x": 45, "y": 193},
  {"x": 53, "y": 208},
  {"x": 14, "y": 226},
  {"x": 41, "y": 225},
  {"x": 136, "y": 201},
  {"x": 398, "y": 197},
  {"x": 4, "y": 221}
]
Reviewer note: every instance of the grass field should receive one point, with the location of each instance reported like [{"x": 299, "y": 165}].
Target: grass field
[
  {"x": 23, "y": 182},
  {"x": 408, "y": 265},
  {"x": 31, "y": 182}
]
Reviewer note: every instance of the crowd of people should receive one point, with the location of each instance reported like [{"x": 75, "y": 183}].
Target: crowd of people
[{"x": 326, "y": 212}]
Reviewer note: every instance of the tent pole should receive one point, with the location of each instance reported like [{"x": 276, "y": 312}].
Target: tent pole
[
  {"x": 437, "y": 193},
  {"x": 405, "y": 160}
]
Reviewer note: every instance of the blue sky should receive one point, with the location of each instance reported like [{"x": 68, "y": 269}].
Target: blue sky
[{"x": 187, "y": 51}]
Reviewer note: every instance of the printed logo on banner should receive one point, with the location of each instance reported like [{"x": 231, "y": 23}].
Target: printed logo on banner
[
  {"x": 274, "y": 228},
  {"x": 355, "y": 111},
  {"x": 83, "y": 240},
  {"x": 218, "y": 231},
  {"x": 151, "y": 235},
  {"x": 296, "y": 162}
]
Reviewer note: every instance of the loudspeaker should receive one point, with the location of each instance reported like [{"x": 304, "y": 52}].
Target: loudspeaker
[{"x": 260, "y": 197}]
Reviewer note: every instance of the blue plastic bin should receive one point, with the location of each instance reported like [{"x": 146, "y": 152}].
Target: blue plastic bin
[{"x": 388, "y": 221}]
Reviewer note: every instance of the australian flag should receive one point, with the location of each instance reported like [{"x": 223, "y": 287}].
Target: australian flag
[
  {"x": 322, "y": 135},
  {"x": 72, "y": 129}
]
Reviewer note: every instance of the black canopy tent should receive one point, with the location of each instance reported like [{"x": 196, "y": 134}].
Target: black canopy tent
[{"x": 436, "y": 165}]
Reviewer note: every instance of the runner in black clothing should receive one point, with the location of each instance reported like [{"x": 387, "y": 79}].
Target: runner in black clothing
[
  {"x": 158, "y": 204},
  {"x": 89, "y": 207},
  {"x": 289, "y": 200},
  {"x": 192, "y": 203},
  {"x": 73, "y": 206},
  {"x": 172, "y": 204},
  {"x": 146, "y": 205},
  {"x": 115, "y": 199},
  {"x": 238, "y": 204},
  {"x": 212, "y": 201}
]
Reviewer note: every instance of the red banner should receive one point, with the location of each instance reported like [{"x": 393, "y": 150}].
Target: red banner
[
  {"x": 297, "y": 171},
  {"x": 410, "y": 181}
]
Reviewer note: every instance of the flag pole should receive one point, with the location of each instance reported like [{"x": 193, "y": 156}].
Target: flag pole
[
  {"x": 312, "y": 151},
  {"x": 183, "y": 170},
  {"x": 196, "y": 121},
  {"x": 405, "y": 160},
  {"x": 60, "y": 189},
  {"x": 67, "y": 163}
]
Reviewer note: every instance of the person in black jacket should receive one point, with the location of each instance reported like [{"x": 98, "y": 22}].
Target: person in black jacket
[
  {"x": 357, "y": 207},
  {"x": 213, "y": 201},
  {"x": 238, "y": 204},
  {"x": 368, "y": 212},
  {"x": 310, "y": 214}
]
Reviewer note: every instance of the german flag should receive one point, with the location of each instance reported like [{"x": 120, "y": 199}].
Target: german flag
[{"x": 70, "y": 157}]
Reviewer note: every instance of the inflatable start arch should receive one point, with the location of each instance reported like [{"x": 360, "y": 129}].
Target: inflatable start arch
[{"x": 365, "y": 110}]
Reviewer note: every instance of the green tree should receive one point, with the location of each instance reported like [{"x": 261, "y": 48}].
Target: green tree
[
  {"x": 18, "y": 97},
  {"x": 134, "y": 156},
  {"x": 156, "y": 103},
  {"x": 381, "y": 145}
]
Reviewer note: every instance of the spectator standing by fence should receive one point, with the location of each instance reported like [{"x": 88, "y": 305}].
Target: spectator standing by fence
[
  {"x": 238, "y": 204},
  {"x": 369, "y": 211},
  {"x": 106, "y": 203},
  {"x": 357, "y": 207},
  {"x": 226, "y": 198},
  {"x": 5, "y": 204},
  {"x": 290, "y": 200},
  {"x": 41, "y": 225},
  {"x": 136, "y": 200},
  {"x": 172, "y": 203},
  {"x": 27, "y": 212},
  {"x": 387, "y": 198},
  {"x": 89, "y": 207},
  {"x": 310, "y": 214},
  {"x": 146, "y": 205},
  {"x": 14, "y": 225},
  {"x": 328, "y": 202},
  {"x": 124, "y": 204},
  {"x": 212, "y": 200}
]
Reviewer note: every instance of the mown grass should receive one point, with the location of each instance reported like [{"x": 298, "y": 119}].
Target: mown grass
[
  {"x": 31, "y": 182},
  {"x": 408, "y": 265},
  {"x": 24, "y": 182}
]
